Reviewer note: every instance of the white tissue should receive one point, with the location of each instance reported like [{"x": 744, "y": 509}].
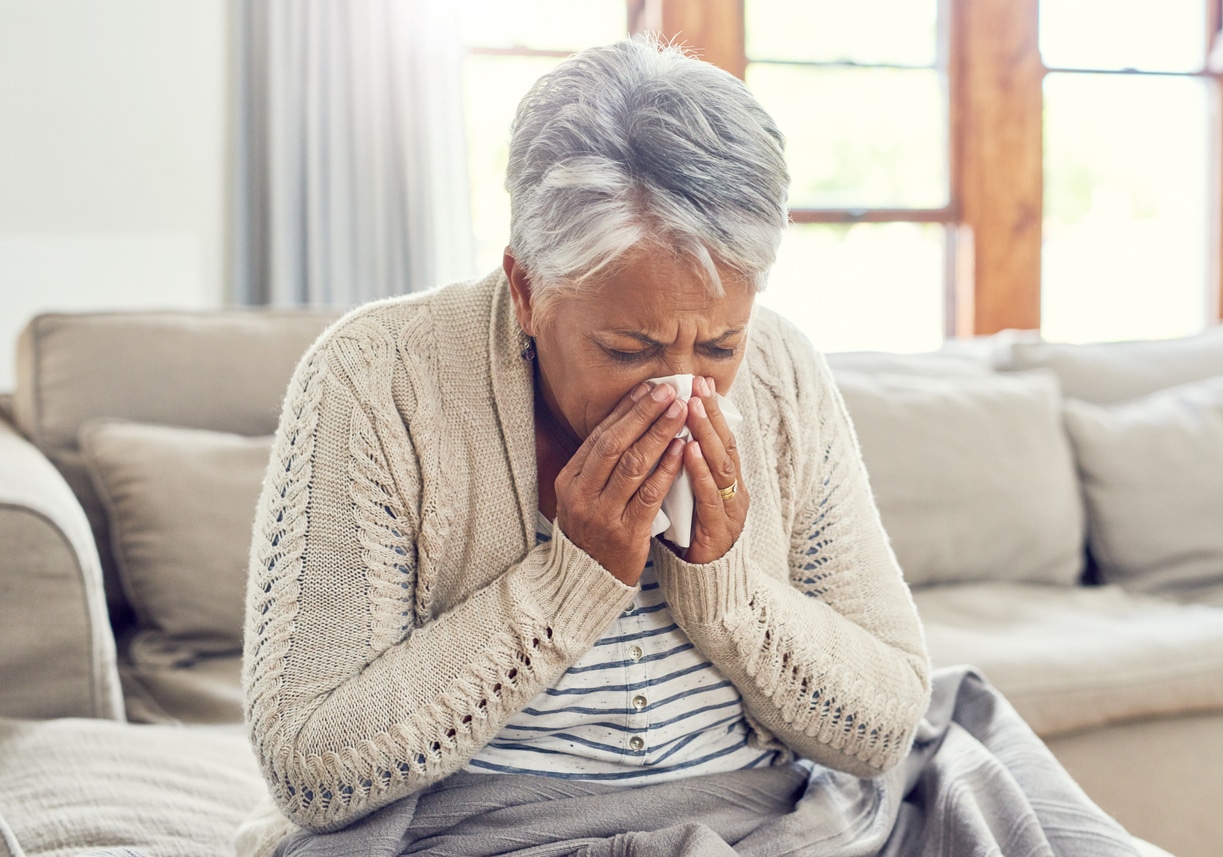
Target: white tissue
[{"x": 674, "y": 519}]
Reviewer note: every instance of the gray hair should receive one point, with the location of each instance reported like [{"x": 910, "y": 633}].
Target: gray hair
[{"x": 634, "y": 145}]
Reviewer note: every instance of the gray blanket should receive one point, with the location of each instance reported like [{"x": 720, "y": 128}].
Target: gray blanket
[{"x": 977, "y": 782}]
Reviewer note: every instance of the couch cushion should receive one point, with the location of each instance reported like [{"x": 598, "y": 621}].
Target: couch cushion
[
  {"x": 1072, "y": 658},
  {"x": 1152, "y": 471},
  {"x": 875, "y": 362},
  {"x": 206, "y": 690},
  {"x": 1113, "y": 371},
  {"x": 973, "y": 475},
  {"x": 165, "y": 791},
  {"x": 224, "y": 370},
  {"x": 180, "y": 504}
]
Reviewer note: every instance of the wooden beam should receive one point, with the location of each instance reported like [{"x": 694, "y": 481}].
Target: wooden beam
[
  {"x": 714, "y": 29},
  {"x": 873, "y": 215},
  {"x": 995, "y": 77}
]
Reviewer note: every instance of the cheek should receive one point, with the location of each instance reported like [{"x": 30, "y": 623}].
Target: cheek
[
  {"x": 723, "y": 374},
  {"x": 586, "y": 394},
  {"x": 601, "y": 399}
]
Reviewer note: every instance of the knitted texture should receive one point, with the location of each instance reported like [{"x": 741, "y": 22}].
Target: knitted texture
[{"x": 399, "y": 611}]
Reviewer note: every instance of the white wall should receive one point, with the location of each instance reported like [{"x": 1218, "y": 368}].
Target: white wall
[{"x": 113, "y": 146}]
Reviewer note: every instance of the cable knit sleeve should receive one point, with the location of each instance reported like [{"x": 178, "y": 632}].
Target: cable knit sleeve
[
  {"x": 827, "y": 652},
  {"x": 355, "y": 696}
]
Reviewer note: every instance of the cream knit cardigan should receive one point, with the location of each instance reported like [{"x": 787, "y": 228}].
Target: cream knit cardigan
[{"x": 399, "y": 610}]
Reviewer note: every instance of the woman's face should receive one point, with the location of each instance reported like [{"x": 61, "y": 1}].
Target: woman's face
[{"x": 654, "y": 316}]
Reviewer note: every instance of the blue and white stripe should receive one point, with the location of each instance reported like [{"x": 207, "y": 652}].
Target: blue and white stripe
[{"x": 642, "y": 705}]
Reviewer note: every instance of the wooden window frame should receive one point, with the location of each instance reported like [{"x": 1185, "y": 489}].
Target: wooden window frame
[{"x": 996, "y": 112}]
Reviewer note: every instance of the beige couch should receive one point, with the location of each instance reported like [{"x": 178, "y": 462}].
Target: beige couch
[{"x": 132, "y": 449}]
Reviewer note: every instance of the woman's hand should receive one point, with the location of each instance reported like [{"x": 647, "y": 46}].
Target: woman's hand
[
  {"x": 712, "y": 462},
  {"x": 610, "y": 491}
]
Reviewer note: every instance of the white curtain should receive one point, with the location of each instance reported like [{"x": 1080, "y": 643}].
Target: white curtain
[{"x": 350, "y": 167}]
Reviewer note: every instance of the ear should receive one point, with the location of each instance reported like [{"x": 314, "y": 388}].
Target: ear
[{"x": 520, "y": 292}]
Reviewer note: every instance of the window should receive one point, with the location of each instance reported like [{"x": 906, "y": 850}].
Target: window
[
  {"x": 860, "y": 92},
  {"x": 511, "y": 43},
  {"x": 1127, "y": 154}
]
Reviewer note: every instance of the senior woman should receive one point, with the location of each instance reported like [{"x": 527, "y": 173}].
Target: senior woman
[{"x": 465, "y": 629}]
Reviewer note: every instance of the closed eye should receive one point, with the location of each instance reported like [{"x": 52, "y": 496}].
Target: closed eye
[
  {"x": 717, "y": 352},
  {"x": 630, "y": 356}
]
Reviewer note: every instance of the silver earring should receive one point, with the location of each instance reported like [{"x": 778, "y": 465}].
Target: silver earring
[{"x": 527, "y": 343}]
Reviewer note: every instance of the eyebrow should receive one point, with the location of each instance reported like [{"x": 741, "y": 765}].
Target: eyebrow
[{"x": 654, "y": 343}]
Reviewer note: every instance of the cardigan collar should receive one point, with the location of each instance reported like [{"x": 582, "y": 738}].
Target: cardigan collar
[{"x": 514, "y": 398}]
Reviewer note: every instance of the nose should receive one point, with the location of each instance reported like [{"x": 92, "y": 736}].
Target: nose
[{"x": 683, "y": 364}]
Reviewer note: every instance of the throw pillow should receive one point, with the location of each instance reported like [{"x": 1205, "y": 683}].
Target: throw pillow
[
  {"x": 181, "y": 503},
  {"x": 1152, "y": 471},
  {"x": 1104, "y": 372},
  {"x": 973, "y": 475}
]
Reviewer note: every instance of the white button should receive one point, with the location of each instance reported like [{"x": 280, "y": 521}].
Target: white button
[
  {"x": 636, "y": 742},
  {"x": 628, "y": 611},
  {"x": 635, "y": 653},
  {"x": 640, "y": 702}
]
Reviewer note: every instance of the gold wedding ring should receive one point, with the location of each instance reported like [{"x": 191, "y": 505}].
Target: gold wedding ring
[{"x": 729, "y": 492}]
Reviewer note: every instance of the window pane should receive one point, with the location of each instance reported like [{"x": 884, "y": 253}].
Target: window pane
[
  {"x": 493, "y": 86},
  {"x": 859, "y": 138},
  {"x": 1126, "y": 169},
  {"x": 1153, "y": 35},
  {"x": 862, "y": 287},
  {"x": 903, "y": 32},
  {"x": 559, "y": 25}
]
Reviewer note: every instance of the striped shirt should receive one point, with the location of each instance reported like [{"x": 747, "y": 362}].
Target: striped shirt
[{"x": 642, "y": 705}]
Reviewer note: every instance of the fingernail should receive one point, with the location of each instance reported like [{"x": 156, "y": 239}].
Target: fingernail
[
  {"x": 674, "y": 410},
  {"x": 702, "y": 387},
  {"x": 696, "y": 447},
  {"x": 698, "y": 407},
  {"x": 710, "y": 385},
  {"x": 640, "y": 391},
  {"x": 675, "y": 447},
  {"x": 661, "y": 393}
]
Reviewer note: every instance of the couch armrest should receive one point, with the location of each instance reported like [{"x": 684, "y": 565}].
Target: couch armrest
[{"x": 57, "y": 652}]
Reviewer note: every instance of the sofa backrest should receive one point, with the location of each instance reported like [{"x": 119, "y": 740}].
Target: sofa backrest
[
  {"x": 1105, "y": 372},
  {"x": 223, "y": 370}
]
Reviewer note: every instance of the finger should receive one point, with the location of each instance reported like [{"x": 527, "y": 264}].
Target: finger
[
  {"x": 640, "y": 459},
  {"x": 723, "y": 466},
  {"x": 711, "y": 512},
  {"x": 713, "y": 406},
  {"x": 646, "y": 502},
  {"x": 605, "y": 450},
  {"x": 622, "y": 407}
]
